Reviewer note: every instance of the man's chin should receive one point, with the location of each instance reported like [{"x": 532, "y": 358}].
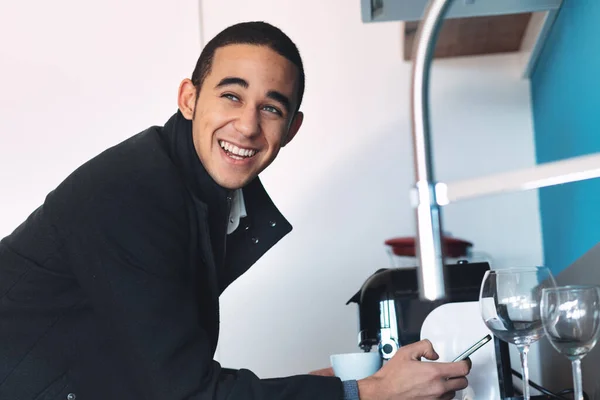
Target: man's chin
[{"x": 233, "y": 183}]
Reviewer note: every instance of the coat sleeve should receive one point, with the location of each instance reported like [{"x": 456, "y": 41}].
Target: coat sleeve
[{"x": 128, "y": 250}]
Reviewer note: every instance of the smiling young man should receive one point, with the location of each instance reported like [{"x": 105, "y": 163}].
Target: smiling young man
[{"x": 110, "y": 289}]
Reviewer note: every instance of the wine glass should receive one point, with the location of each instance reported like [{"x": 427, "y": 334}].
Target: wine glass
[
  {"x": 571, "y": 319},
  {"x": 510, "y": 307}
]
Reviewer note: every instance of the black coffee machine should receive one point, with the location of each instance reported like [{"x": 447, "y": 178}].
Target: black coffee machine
[{"x": 391, "y": 314}]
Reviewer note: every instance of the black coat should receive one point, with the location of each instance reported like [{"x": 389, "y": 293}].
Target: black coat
[{"x": 110, "y": 289}]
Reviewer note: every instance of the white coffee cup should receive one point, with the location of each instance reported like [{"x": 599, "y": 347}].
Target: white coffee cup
[{"x": 354, "y": 366}]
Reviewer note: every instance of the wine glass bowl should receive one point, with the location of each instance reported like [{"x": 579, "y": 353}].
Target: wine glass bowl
[
  {"x": 571, "y": 316},
  {"x": 509, "y": 301},
  {"x": 571, "y": 320}
]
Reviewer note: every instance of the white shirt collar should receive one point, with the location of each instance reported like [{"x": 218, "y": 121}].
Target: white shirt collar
[{"x": 238, "y": 211}]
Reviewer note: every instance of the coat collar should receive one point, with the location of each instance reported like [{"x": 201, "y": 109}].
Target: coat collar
[{"x": 178, "y": 134}]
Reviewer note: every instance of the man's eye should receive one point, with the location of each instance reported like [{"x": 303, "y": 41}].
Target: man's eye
[
  {"x": 272, "y": 109},
  {"x": 231, "y": 97}
]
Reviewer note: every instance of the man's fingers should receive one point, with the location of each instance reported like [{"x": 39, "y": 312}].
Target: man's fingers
[
  {"x": 454, "y": 369},
  {"x": 423, "y": 348},
  {"x": 455, "y": 384},
  {"x": 469, "y": 363},
  {"x": 448, "y": 396}
]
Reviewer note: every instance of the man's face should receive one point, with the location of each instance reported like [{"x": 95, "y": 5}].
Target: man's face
[{"x": 244, "y": 113}]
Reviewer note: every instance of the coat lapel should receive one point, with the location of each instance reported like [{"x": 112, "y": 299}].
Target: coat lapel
[{"x": 258, "y": 232}]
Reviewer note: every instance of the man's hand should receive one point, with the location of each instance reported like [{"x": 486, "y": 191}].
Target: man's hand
[
  {"x": 405, "y": 377},
  {"x": 323, "y": 372}
]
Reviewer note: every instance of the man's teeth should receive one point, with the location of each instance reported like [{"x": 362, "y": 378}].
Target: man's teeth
[{"x": 233, "y": 149}]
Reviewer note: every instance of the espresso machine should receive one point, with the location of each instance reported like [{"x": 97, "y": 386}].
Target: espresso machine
[
  {"x": 390, "y": 311},
  {"x": 391, "y": 314}
]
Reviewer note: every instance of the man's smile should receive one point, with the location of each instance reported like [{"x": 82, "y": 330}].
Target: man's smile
[{"x": 236, "y": 152}]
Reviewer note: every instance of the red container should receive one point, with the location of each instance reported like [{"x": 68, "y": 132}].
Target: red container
[{"x": 453, "y": 247}]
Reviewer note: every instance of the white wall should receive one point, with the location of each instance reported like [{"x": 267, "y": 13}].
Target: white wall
[
  {"x": 79, "y": 78},
  {"x": 343, "y": 183}
]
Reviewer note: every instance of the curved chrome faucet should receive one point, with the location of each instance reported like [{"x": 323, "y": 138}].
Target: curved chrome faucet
[{"x": 428, "y": 212}]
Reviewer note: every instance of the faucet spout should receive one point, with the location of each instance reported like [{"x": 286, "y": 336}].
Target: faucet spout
[{"x": 427, "y": 210}]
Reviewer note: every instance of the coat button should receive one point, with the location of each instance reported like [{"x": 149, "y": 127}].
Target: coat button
[
  {"x": 71, "y": 396},
  {"x": 255, "y": 240},
  {"x": 272, "y": 223}
]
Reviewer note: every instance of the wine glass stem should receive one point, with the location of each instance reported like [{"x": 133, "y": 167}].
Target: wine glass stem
[
  {"x": 577, "y": 379},
  {"x": 523, "y": 350}
]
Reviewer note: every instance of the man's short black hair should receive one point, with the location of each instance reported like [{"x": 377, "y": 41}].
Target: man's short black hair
[{"x": 255, "y": 33}]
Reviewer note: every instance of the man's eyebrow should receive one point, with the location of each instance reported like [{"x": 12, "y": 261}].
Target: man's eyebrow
[
  {"x": 281, "y": 98},
  {"x": 232, "y": 80},
  {"x": 272, "y": 94}
]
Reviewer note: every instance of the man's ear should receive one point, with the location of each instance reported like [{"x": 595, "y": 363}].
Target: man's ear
[
  {"x": 186, "y": 98},
  {"x": 294, "y": 128}
]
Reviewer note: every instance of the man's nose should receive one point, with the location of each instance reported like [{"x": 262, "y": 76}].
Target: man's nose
[{"x": 247, "y": 122}]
